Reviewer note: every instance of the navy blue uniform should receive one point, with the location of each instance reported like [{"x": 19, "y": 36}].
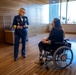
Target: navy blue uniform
[{"x": 20, "y": 33}]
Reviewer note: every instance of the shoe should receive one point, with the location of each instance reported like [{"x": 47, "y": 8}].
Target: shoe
[
  {"x": 40, "y": 58},
  {"x": 15, "y": 59},
  {"x": 23, "y": 56},
  {"x": 27, "y": 40}
]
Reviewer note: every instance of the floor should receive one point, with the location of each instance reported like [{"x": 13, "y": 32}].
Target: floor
[{"x": 30, "y": 64}]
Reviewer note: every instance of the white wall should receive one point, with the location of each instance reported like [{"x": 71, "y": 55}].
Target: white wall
[{"x": 69, "y": 28}]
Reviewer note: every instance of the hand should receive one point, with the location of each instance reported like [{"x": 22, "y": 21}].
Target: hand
[
  {"x": 44, "y": 41},
  {"x": 25, "y": 26},
  {"x": 19, "y": 27},
  {"x": 14, "y": 26}
]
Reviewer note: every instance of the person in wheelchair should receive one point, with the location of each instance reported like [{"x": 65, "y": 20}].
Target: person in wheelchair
[{"x": 56, "y": 35}]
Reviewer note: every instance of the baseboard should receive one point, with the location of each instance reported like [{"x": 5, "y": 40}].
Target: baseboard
[{"x": 70, "y": 32}]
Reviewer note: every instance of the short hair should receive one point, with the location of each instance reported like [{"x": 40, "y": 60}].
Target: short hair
[{"x": 19, "y": 11}]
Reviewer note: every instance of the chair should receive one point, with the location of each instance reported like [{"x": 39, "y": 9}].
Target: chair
[{"x": 61, "y": 54}]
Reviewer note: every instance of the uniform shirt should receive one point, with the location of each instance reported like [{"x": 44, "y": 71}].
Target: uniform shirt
[
  {"x": 20, "y": 21},
  {"x": 17, "y": 20}
]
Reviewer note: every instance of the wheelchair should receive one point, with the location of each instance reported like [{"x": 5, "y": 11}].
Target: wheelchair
[{"x": 61, "y": 53}]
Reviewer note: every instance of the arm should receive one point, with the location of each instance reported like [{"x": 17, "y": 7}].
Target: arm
[
  {"x": 27, "y": 23},
  {"x": 46, "y": 42},
  {"x": 51, "y": 35},
  {"x": 50, "y": 39},
  {"x": 15, "y": 24}
]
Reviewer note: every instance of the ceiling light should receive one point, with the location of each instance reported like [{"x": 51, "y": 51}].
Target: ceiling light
[{"x": 53, "y": 1}]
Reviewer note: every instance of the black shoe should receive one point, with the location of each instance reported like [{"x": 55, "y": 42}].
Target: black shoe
[
  {"x": 42, "y": 63},
  {"x": 15, "y": 59},
  {"x": 27, "y": 40},
  {"x": 40, "y": 58},
  {"x": 23, "y": 56}
]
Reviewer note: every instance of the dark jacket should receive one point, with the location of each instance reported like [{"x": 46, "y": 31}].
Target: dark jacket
[
  {"x": 56, "y": 35},
  {"x": 17, "y": 21}
]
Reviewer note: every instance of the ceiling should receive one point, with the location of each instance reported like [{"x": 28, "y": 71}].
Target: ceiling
[
  {"x": 57, "y": 1},
  {"x": 53, "y": 1}
]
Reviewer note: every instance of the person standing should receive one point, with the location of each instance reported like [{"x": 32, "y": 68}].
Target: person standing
[{"x": 20, "y": 24}]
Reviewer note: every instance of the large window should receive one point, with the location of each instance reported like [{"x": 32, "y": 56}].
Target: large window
[
  {"x": 71, "y": 13},
  {"x": 45, "y": 14},
  {"x": 63, "y": 10},
  {"x": 63, "y": 13},
  {"x": 54, "y": 11}
]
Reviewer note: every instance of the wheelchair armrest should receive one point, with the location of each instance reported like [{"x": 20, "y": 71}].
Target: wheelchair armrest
[
  {"x": 61, "y": 43},
  {"x": 65, "y": 40}
]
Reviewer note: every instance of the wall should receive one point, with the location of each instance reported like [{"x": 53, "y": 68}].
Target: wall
[
  {"x": 69, "y": 28},
  {"x": 1, "y": 30},
  {"x": 34, "y": 11},
  {"x": 36, "y": 19}
]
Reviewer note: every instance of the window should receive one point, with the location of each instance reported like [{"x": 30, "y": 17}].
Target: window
[
  {"x": 63, "y": 10},
  {"x": 45, "y": 14},
  {"x": 71, "y": 13},
  {"x": 54, "y": 10},
  {"x": 63, "y": 13}
]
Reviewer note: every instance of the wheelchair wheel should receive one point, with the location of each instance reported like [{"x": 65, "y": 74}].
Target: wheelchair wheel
[{"x": 63, "y": 57}]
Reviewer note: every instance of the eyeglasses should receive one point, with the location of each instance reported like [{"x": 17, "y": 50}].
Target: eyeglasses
[{"x": 23, "y": 11}]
